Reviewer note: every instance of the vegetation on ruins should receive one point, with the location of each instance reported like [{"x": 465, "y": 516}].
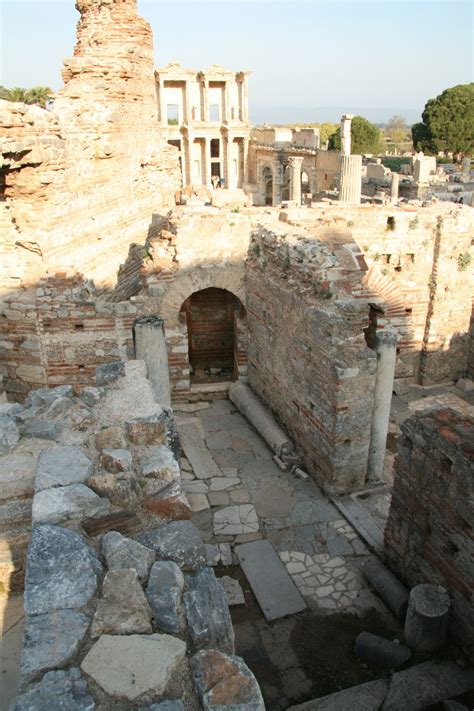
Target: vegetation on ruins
[
  {"x": 36, "y": 95},
  {"x": 448, "y": 122},
  {"x": 366, "y": 137}
]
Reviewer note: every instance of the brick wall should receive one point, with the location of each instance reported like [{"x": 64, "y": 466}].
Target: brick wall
[{"x": 429, "y": 534}]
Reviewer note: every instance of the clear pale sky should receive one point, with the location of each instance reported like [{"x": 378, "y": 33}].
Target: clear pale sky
[{"x": 372, "y": 54}]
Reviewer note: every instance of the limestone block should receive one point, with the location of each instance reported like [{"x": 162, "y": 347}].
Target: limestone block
[
  {"x": 44, "y": 397},
  {"x": 122, "y": 552},
  {"x": 159, "y": 470},
  {"x": 207, "y": 613},
  {"x": 67, "y": 503},
  {"x": 110, "y": 438},
  {"x": 426, "y": 684},
  {"x": 62, "y": 466},
  {"x": 233, "y": 591},
  {"x": 171, "y": 504},
  {"x": 133, "y": 666},
  {"x": 164, "y": 594},
  {"x": 91, "y": 395},
  {"x": 42, "y": 430},
  {"x": 115, "y": 460},
  {"x": 109, "y": 372},
  {"x": 50, "y": 641},
  {"x": 56, "y": 690},
  {"x": 147, "y": 430},
  {"x": 121, "y": 489},
  {"x": 62, "y": 571},
  {"x": 122, "y": 607},
  {"x": 9, "y": 434},
  {"x": 426, "y": 623},
  {"x": 223, "y": 681},
  {"x": 179, "y": 541}
]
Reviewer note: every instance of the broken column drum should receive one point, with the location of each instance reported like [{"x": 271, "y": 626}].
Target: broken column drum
[
  {"x": 385, "y": 347},
  {"x": 426, "y": 624},
  {"x": 394, "y": 187},
  {"x": 350, "y": 180},
  {"x": 150, "y": 346}
]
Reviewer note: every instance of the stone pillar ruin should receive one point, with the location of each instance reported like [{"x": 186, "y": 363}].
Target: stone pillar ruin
[
  {"x": 350, "y": 180},
  {"x": 207, "y": 163},
  {"x": 394, "y": 188},
  {"x": 150, "y": 346},
  {"x": 346, "y": 121},
  {"x": 385, "y": 347},
  {"x": 295, "y": 163},
  {"x": 466, "y": 166}
]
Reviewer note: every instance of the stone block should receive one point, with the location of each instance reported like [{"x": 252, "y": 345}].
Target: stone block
[
  {"x": 121, "y": 489},
  {"x": 115, "y": 460},
  {"x": 121, "y": 552},
  {"x": 159, "y": 470},
  {"x": 42, "y": 430},
  {"x": 169, "y": 505},
  {"x": 62, "y": 466},
  {"x": 110, "y": 438},
  {"x": 364, "y": 697},
  {"x": 57, "y": 690},
  {"x": 91, "y": 395},
  {"x": 179, "y": 541},
  {"x": 44, "y": 397},
  {"x": 134, "y": 666},
  {"x": 109, "y": 372},
  {"x": 207, "y": 613},
  {"x": 67, "y": 503},
  {"x": 62, "y": 571},
  {"x": 9, "y": 434},
  {"x": 377, "y": 650},
  {"x": 147, "y": 430},
  {"x": 164, "y": 594},
  {"x": 225, "y": 682},
  {"x": 427, "y": 684},
  {"x": 233, "y": 591},
  {"x": 122, "y": 607}
]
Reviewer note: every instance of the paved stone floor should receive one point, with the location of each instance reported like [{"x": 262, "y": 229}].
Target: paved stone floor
[{"x": 11, "y": 625}]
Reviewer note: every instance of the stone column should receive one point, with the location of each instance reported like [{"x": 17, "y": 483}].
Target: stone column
[
  {"x": 314, "y": 181},
  {"x": 187, "y": 108},
  {"x": 161, "y": 99},
  {"x": 346, "y": 121},
  {"x": 295, "y": 163},
  {"x": 385, "y": 347},
  {"x": 226, "y": 112},
  {"x": 394, "y": 188},
  {"x": 150, "y": 346},
  {"x": 207, "y": 163},
  {"x": 205, "y": 100},
  {"x": 350, "y": 179},
  {"x": 245, "y": 161},
  {"x": 277, "y": 179},
  {"x": 245, "y": 99},
  {"x": 466, "y": 166}
]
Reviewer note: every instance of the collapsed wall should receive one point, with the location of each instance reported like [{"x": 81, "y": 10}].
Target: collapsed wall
[
  {"x": 429, "y": 535},
  {"x": 308, "y": 360}
]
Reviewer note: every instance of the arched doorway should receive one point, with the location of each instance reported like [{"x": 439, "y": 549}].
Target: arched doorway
[
  {"x": 267, "y": 180},
  {"x": 213, "y": 318}
]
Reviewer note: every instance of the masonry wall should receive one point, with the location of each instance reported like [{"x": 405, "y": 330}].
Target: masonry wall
[
  {"x": 308, "y": 360},
  {"x": 429, "y": 535}
]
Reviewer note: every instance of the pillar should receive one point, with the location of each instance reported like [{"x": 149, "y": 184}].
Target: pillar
[
  {"x": 207, "y": 163},
  {"x": 245, "y": 161},
  {"x": 394, "y": 188},
  {"x": 295, "y": 163},
  {"x": 150, "y": 346},
  {"x": 314, "y": 182},
  {"x": 386, "y": 349},
  {"x": 161, "y": 99},
  {"x": 187, "y": 108},
  {"x": 466, "y": 166},
  {"x": 245, "y": 99},
  {"x": 350, "y": 179},
  {"x": 205, "y": 100},
  {"x": 231, "y": 179},
  {"x": 226, "y": 113},
  {"x": 426, "y": 623},
  {"x": 277, "y": 179},
  {"x": 346, "y": 121}
]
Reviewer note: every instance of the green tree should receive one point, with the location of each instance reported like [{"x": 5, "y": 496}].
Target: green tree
[
  {"x": 365, "y": 137},
  {"x": 35, "y": 95},
  {"x": 448, "y": 122},
  {"x": 326, "y": 130},
  {"x": 17, "y": 93}
]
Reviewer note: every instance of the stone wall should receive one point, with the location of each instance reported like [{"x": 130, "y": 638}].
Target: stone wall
[
  {"x": 308, "y": 360},
  {"x": 429, "y": 535}
]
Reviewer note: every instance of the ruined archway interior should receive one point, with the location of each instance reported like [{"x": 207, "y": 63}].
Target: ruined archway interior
[{"x": 210, "y": 320}]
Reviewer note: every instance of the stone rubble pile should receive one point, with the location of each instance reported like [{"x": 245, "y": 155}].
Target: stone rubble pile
[{"x": 132, "y": 616}]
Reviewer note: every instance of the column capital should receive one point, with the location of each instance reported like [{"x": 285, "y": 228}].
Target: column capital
[{"x": 295, "y": 161}]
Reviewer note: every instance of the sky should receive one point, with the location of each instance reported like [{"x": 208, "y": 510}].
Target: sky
[{"x": 310, "y": 60}]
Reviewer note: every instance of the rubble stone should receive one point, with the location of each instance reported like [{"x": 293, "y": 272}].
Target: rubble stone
[
  {"x": 207, "y": 613},
  {"x": 164, "y": 594},
  {"x": 147, "y": 430},
  {"x": 61, "y": 466},
  {"x": 179, "y": 541},
  {"x": 122, "y": 552},
  {"x": 223, "y": 681},
  {"x": 67, "y": 503},
  {"x": 56, "y": 690},
  {"x": 122, "y": 607}
]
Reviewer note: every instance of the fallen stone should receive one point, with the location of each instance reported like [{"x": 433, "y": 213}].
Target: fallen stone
[
  {"x": 377, "y": 650},
  {"x": 384, "y": 582},
  {"x": 225, "y": 682},
  {"x": 364, "y": 697},
  {"x": 122, "y": 607},
  {"x": 50, "y": 641},
  {"x": 207, "y": 613},
  {"x": 121, "y": 552},
  {"x": 10, "y": 408},
  {"x": 79, "y": 417},
  {"x": 274, "y": 588},
  {"x": 147, "y": 430},
  {"x": 465, "y": 385},
  {"x": 67, "y": 503},
  {"x": 59, "y": 407},
  {"x": 169, "y": 505},
  {"x": 115, "y": 460},
  {"x": 159, "y": 470},
  {"x": 107, "y": 373},
  {"x": 133, "y": 666},
  {"x": 427, "y": 684},
  {"x": 110, "y": 438},
  {"x": 179, "y": 541},
  {"x": 44, "y": 397},
  {"x": 9, "y": 434},
  {"x": 91, "y": 395},
  {"x": 213, "y": 554},
  {"x": 121, "y": 489},
  {"x": 164, "y": 594},
  {"x": 197, "y": 453},
  {"x": 58, "y": 690},
  {"x": 235, "y": 520},
  {"x": 426, "y": 623},
  {"x": 62, "y": 571},
  {"x": 233, "y": 591},
  {"x": 42, "y": 430},
  {"x": 61, "y": 466}
]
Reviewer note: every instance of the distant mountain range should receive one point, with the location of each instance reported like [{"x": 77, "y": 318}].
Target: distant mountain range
[{"x": 288, "y": 114}]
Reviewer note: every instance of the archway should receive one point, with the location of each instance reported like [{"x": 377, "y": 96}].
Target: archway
[
  {"x": 213, "y": 319},
  {"x": 267, "y": 181}
]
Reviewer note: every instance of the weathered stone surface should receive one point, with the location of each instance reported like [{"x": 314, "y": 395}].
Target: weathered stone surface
[
  {"x": 121, "y": 552},
  {"x": 147, "y": 430},
  {"x": 61, "y": 466},
  {"x": 134, "y": 665},
  {"x": 110, "y": 438},
  {"x": 426, "y": 684},
  {"x": 59, "y": 407},
  {"x": 10, "y": 408},
  {"x": 115, "y": 460},
  {"x": 168, "y": 705},
  {"x": 235, "y": 520},
  {"x": 121, "y": 489},
  {"x": 159, "y": 470},
  {"x": 107, "y": 373},
  {"x": 426, "y": 623},
  {"x": 225, "y": 682},
  {"x": 169, "y": 505},
  {"x": 198, "y": 502},
  {"x": 122, "y": 608},
  {"x": 42, "y": 430},
  {"x": 50, "y": 641},
  {"x": 62, "y": 571},
  {"x": 207, "y": 613},
  {"x": 179, "y": 541},
  {"x": 164, "y": 594},
  {"x": 125, "y": 522},
  {"x": 172, "y": 435},
  {"x": 197, "y": 453},
  {"x": 44, "y": 397},
  {"x": 454, "y": 705},
  {"x": 213, "y": 554},
  {"x": 377, "y": 650},
  {"x": 65, "y": 690},
  {"x": 67, "y": 503},
  {"x": 364, "y": 697},
  {"x": 233, "y": 591},
  {"x": 91, "y": 395},
  {"x": 9, "y": 434}
]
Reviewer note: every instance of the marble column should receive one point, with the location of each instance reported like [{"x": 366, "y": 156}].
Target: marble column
[
  {"x": 245, "y": 99},
  {"x": 350, "y": 180},
  {"x": 346, "y": 121},
  {"x": 207, "y": 163},
  {"x": 386, "y": 349},
  {"x": 150, "y": 346},
  {"x": 394, "y": 188},
  {"x": 205, "y": 100},
  {"x": 245, "y": 161},
  {"x": 295, "y": 163},
  {"x": 277, "y": 179},
  {"x": 161, "y": 100},
  {"x": 187, "y": 107}
]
